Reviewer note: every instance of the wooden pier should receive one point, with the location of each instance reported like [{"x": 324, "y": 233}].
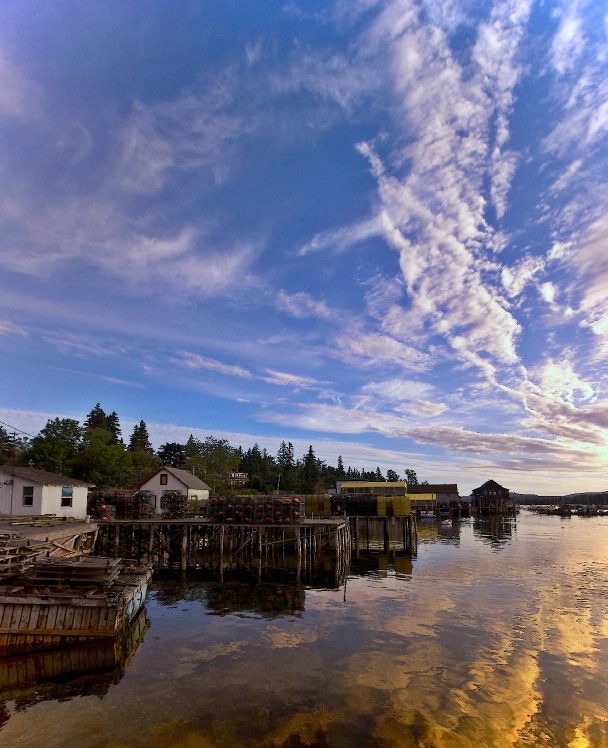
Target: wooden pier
[
  {"x": 193, "y": 543},
  {"x": 384, "y": 533}
]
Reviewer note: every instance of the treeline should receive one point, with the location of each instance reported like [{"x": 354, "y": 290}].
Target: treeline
[{"x": 95, "y": 451}]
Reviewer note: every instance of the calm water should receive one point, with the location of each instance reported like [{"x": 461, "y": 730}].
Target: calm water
[{"x": 493, "y": 635}]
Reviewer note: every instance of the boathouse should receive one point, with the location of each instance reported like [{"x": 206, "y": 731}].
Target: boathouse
[
  {"x": 169, "y": 479},
  {"x": 27, "y": 491},
  {"x": 491, "y": 498},
  {"x": 433, "y": 497}
]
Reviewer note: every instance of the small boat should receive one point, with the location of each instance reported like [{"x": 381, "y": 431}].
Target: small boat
[{"x": 64, "y": 601}]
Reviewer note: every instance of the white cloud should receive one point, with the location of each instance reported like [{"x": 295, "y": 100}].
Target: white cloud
[
  {"x": 195, "y": 361},
  {"x": 16, "y": 92},
  {"x": 548, "y": 292},
  {"x": 372, "y": 349},
  {"x": 292, "y": 380},
  {"x": 10, "y": 328},
  {"x": 302, "y": 305},
  {"x": 434, "y": 216},
  {"x": 341, "y": 239},
  {"x": 568, "y": 42},
  {"x": 515, "y": 279}
]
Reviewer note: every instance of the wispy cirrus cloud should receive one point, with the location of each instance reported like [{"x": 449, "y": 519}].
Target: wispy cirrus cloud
[
  {"x": 10, "y": 328},
  {"x": 290, "y": 380},
  {"x": 367, "y": 349},
  {"x": 302, "y": 305},
  {"x": 194, "y": 361},
  {"x": 17, "y": 93},
  {"x": 434, "y": 216},
  {"x": 340, "y": 239}
]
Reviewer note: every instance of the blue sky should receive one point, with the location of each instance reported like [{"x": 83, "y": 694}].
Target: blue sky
[{"x": 379, "y": 228}]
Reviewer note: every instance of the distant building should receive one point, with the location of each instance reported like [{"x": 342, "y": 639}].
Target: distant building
[
  {"x": 238, "y": 479},
  {"x": 433, "y": 497},
  {"x": 373, "y": 488},
  {"x": 169, "y": 479},
  {"x": 491, "y": 498},
  {"x": 27, "y": 491}
]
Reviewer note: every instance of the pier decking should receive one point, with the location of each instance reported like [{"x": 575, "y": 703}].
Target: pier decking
[{"x": 192, "y": 543}]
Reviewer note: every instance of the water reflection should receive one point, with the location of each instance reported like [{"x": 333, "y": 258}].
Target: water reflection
[
  {"x": 68, "y": 672},
  {"x": 381, "y": 564},
  {"x": 238, "y": 595},
  {"x": 494, "y": 529},
  {"x": 445, "y": 531},
  {"x": 456, "y": 647}
]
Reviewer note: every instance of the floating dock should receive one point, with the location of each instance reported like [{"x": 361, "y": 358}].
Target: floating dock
[{"x": 64, "y": 601}]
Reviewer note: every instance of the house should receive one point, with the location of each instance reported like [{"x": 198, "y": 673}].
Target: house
[
  {"x": 169, "y": 479},
  {"x": 492, "y": 498},
  {"x": 238, "y": 479},
  {"x": 433, "y": 497},
  {"x": 27, "y": 491}
]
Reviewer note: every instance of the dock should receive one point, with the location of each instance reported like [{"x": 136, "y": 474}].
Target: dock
[
  {"x": 193, "y": 543},
  {"x": 65, "y": 601}
]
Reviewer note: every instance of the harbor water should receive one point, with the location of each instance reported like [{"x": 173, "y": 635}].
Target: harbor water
[{"x": 495, "y": 633}]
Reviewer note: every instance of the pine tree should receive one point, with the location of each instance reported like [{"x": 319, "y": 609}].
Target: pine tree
[
  {"x": 140, "y": 441},
  {"x": 97, "y": 419},
  {"x": 340, "y": 474},
  {"x": 311, "y": 472},
  {"x": 113, "y": 426}
]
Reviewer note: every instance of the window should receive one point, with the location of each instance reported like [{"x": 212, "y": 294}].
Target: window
[
  {"x": 28, "y": 495},
  {"x": 163, "y": 479},
  {"x": 67, "y": 493}
]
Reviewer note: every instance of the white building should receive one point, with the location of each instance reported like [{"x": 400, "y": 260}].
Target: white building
[
  {"x": 174, "y": 479},
  {"x": 27, "y": 491}
]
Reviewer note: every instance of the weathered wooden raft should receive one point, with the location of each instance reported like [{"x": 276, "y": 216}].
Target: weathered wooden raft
[{"x": 63, "y": 601}]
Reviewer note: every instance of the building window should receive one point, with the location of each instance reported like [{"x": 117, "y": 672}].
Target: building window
[
  {"x": 67, "y": 493},
  {"x": 163, "y": 479},
  {"x": 28, "y": 495}
]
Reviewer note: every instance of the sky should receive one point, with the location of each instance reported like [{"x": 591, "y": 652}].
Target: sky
[{"x": 377, "y": 228}]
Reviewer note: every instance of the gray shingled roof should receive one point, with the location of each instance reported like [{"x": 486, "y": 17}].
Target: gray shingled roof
[
  {"x": 41, "y": 476},
  {"x": 186, "y": 477}
]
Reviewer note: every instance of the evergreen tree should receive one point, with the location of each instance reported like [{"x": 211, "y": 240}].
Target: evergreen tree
[
  {"x": 411, "y": 478},
  {"x": 140, "y": 441},
  {"x": 392, "y": 476},
  {"x": 287, "y": 478},
  {"x": 379, "y": 476},
  {"x": 340, "y": 474},
  {"x": 97, "y": 419},
  {"x": 113, "y": 426},
  {"x": 310, "y": 473}
]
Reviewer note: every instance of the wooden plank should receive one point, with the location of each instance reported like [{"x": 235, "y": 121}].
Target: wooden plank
[{"x": 61, "y": 633}]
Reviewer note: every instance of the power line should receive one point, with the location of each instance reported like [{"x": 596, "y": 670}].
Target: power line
[{"x": 15, "y": 429}]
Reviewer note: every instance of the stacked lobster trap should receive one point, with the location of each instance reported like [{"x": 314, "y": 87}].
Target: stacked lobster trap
[{"x": 271, "y": 510}]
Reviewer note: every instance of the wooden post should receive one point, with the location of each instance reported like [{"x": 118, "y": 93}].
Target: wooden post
[
  {"x": 299, "y": 549},
  {"x": 222, "y": 553},
  {"x": 184, "y": 558}
]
